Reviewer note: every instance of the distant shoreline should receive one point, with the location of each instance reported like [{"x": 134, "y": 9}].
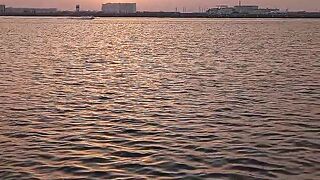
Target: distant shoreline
[{"x": 170, "y": 15}]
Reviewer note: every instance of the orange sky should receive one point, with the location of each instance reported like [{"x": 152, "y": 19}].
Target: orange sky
[{"x": 165, "y": 5}]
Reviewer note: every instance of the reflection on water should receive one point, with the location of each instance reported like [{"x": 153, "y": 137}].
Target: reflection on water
[{"x": 151, "y": 98}]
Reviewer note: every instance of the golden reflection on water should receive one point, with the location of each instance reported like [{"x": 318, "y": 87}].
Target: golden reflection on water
[{"x": 149, "y": 98}]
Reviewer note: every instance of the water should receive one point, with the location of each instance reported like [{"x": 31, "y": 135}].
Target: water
[{"x": 159, "y": 98}]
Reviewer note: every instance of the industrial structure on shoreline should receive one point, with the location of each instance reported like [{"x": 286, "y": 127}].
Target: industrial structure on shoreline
[
  {"x": 20, "y": 11},
  {"x": 130, "y": 10},
  {"x": 241, "y": 9},
  {"x": 119, "y": 8},
  {"x": 108, "y": 8}
]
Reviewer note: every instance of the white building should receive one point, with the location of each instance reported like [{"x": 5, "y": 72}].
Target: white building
[
  {"x": 265, "y": 11},
  {"x": 242, "y": 10},
  {"x": 30, "y": 10},
  {"x": 221, "y": 10},
  {"x": 119, "y": 8},
  {"x": 245, "y": 9}
]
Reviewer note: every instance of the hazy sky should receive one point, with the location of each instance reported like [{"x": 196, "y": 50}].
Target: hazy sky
[{"x": 166, "y": 5}]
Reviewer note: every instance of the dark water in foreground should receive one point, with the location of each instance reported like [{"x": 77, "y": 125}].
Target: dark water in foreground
[{"x": 159, "y": 98}]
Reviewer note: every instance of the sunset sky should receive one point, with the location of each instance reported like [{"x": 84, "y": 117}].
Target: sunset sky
[{"x": 166, "y": 5}]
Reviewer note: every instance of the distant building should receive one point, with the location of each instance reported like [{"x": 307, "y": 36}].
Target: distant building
[
  {"x": 244, "y": 10},
  {"x": 2, "y": 9},
  {"x": 119, "y": 8},
  {"x": 11, "y": 10},
  {"x": 264, "y": 11},
  {"x": 221, "y": 10}
]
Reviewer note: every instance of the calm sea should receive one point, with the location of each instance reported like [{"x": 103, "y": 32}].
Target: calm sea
[{"x": 122, "y": 98}]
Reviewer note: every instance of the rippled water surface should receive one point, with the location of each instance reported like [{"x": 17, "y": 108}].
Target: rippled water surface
[{"x": 159, "y": 98}]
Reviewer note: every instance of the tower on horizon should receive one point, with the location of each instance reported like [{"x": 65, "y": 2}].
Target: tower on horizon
[
  {"x": 77, "y": 8},
  {"x": 240, "y": 4},
  {"x": 2, "y": 9}
]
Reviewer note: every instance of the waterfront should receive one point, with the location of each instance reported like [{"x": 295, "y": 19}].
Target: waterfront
[{"x": 159, "y": 98}]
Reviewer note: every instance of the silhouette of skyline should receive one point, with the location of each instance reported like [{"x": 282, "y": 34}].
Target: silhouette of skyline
[{"x": 166, "y": 5}]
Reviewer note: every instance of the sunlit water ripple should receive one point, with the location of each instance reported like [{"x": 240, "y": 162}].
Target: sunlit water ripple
[{"x": 159, "y": 98}]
